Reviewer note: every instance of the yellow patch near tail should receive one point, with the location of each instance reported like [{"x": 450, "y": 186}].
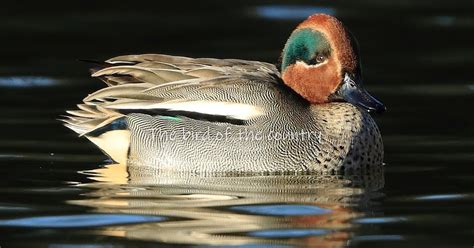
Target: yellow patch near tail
[{"x": 114, "y": 143}]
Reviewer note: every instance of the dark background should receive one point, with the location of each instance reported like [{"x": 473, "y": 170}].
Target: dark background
[
  {"x": 417, "y": 57},
  {"x": 397, "y": 38}
]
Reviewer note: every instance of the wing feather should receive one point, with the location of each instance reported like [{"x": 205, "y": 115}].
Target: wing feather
[
  {"x": 133, "y": 91},
  {"x": 229, "y": 88}
]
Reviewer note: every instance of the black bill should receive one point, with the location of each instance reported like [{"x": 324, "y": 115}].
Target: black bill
[{"x": 354, "y": 93}]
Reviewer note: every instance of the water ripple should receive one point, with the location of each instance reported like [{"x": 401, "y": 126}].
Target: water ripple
[
  {"x": 282, "y": 210},
  {"x": 379, "y": 220},
  {"x": 289, "y": 233},
  {"x": 291, "y": 12},
  {"x": 27, "y": 81},
  {"x": 84, "y": 220},
  {"x": 378, "y": 237},
  {"x": 441, "y": 197}
]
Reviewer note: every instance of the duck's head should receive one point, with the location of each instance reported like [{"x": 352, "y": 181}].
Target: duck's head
[{"x": 320, "y": 62}]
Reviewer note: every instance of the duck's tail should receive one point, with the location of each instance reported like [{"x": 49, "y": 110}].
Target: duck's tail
[{"x": 108, "y": 131}]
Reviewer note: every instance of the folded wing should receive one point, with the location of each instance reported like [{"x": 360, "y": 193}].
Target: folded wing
[{"x": 212, "y": 89}]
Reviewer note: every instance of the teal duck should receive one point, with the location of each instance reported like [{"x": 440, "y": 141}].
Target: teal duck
[{"x": 228, "y": 115}]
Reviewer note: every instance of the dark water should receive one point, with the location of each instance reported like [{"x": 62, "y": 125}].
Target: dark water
[{"x": 57, "y": 191}]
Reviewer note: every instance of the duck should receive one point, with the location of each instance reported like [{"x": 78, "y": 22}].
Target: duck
[{"x": 208, "y": 115}]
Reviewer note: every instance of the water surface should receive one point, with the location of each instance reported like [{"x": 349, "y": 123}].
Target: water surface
[{"x": 58, "y": 190}]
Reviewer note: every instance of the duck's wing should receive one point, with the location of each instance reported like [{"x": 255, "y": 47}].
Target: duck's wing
[{"x": 226, "y": 90}]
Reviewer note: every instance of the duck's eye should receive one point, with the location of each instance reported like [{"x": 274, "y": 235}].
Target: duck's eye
[{"x": 320, "y": 58}]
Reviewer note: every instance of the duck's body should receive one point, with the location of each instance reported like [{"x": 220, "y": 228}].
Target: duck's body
[{"x": 211, "y": 115}]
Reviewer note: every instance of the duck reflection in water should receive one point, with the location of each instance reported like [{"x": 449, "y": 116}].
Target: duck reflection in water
[{"x": 231, "y": 209}]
